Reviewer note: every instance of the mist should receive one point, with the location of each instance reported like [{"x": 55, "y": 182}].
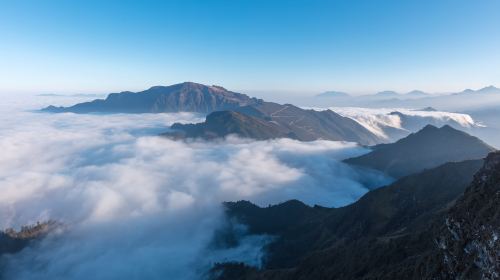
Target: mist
[{"x": 135, "y": 205}]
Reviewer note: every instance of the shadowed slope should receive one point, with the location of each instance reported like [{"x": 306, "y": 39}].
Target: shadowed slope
[{"x": 427, "y": 148}]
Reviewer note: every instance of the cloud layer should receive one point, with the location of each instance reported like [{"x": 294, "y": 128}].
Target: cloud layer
[
  {"x": 393, "y": 123},
  {"x": 138, "y": 206}
]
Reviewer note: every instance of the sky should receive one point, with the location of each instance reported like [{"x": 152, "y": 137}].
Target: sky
[{"x": 292, "y": 47}]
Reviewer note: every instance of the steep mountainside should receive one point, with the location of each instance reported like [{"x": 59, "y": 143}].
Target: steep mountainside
[
  {"x": 470, "y": 239},
  {"x": 283, "y": 121},
  {"x": 389, "y": 233},
  {"x": 425, "y": 149},
  {"x": 184, "y": 97}
]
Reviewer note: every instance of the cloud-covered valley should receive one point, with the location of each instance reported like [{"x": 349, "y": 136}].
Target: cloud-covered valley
[{"x": 135, "y": 205}]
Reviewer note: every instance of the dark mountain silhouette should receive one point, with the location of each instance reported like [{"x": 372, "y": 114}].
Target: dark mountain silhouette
[
  {"x": 184, "y": 97},
  {"x": 424, "y": 149},
  {"x": 414, "y": 228},
  {"x": 267, "y": 120}
]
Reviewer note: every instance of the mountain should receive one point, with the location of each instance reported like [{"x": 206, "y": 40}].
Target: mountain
[
  {"x": 469, "y": 240},
  {"x": 387, "y": 94},
  {"x": 333, "y": 94},
  {"x": 427, "y": 109},
  {"x": 485, "y": 90},
  {"x": 184, "y": 97},
  {"x": 416, "y": 94},
  {"x": 390, "y": 233},
  {"x": 267, "y": 120},
  {"x": 222, "y": 123},
  {"x": 424, "y": 149}
]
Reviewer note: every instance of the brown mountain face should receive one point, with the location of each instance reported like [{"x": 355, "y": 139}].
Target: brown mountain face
[
  {"x": 281, "y": 121},
  {"x": 184, "y": 97},
  {"x": 427, "y": 148},
  {"x": 413, "y": 229}
]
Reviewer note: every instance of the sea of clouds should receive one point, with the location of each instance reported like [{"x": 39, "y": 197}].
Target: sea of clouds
[
  {"x": 391, "y": 124},
  {"x": 138, "y": 206}
]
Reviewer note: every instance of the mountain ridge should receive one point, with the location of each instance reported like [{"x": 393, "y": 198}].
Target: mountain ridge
[
  {"x": 183, "y": 97},
  {"x": 389, "y": 233},
  {"x": 280, "y": 121},
  {"x": 427, "y": 148}
]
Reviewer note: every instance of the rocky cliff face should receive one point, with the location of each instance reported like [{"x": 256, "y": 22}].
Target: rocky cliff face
[{"x": 470, "y": 239}]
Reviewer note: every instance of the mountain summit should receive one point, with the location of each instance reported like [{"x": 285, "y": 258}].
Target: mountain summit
[
  {"x": 425, "y": 149},
  {"x": 184, "y": 97}
]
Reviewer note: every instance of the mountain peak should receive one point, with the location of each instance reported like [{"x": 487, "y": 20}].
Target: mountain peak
[
  {"x": 417, "y": 93},
  {"x": 333, "y": 94},
  {"x": 428, "y": 128},
  {"x": 488, "y": 89},
  {"x": 387, "y": 93},
  {"x": 427, "y": 148},
  {"x": 182, "y": 97}
]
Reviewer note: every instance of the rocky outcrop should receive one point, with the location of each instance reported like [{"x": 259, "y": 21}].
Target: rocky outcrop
[
  {"x": 470, "y": 239},
  {"x": 13, "y": 241}
]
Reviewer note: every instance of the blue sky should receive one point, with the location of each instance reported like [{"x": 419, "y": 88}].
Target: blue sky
[{"x": 291, "y": 46}]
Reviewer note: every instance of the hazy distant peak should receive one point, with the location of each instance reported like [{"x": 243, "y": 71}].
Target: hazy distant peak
[
  {"x": 488, "y": 89},
  {"x": 428, "y": 109},
  {"x": 387, "y": 93},
  {"x": 417, "y": 93},
  {"x": 333, "y": 94}
]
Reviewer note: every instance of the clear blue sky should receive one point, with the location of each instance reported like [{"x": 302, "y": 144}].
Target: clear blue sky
[{"x": 297, "y": 46}]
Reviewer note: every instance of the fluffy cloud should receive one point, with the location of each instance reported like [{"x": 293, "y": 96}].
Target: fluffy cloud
[
  {"x": 138, "y": 206},
  {"x": 394, "y": 123}
]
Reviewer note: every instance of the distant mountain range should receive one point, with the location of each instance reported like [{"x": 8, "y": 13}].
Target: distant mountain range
[
  {"x": 184, "y": 97},
  {"x": 485, "y": 90},
  {"x": 252, "y": 117},
  {"x": 459, "y": 101},
  {"x": 414, "y": 228},
  {"x": 230, "y": 113},
  {"x": 428, "y": 148},
  {"x": 267, "y": 120},
  {"x": 389, "y": 94}
]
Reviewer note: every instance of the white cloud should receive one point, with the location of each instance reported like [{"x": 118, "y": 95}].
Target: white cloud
[
  {"x": 391, "y": 124},
  {"x": 141, "y": 206}
]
